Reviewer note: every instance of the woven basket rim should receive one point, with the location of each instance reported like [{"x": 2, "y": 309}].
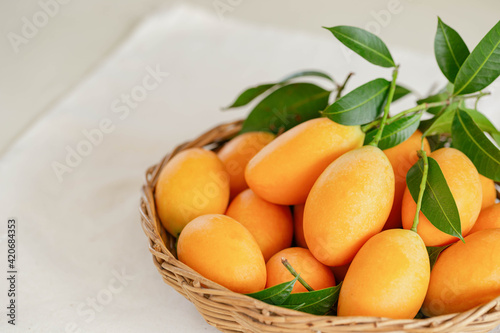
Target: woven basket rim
[{"x": 232, "y": 309}]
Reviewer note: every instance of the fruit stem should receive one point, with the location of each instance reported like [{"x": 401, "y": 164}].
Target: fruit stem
[
  {"x": 420, "y": 108},
  {"x": 295, "y": 274},
  {"x": 341, "y": 87},
  {"x": 392, "y": 88},
  {"x": 423, "y": 184}
]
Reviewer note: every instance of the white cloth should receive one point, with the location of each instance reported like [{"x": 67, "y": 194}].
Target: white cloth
[{"x": 77, "y": 235}]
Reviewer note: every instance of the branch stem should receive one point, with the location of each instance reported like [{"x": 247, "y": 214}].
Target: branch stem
[
  {"x": 387, "y": 106},
  {"x": 340, "y": 88},
  {"x": 423, "y": 184},
  {"x": 295, "y": 274},
  {"x": 420, "y": 108}
]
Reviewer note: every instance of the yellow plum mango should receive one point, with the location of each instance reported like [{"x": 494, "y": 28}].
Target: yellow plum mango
[
  {"x": 348, "y": 204},
  {"x": 284, "y": 171},
  {"x": 465, "y": 186},
  {"x": 387, "y": 278},
  {"x": 193, "y": 183}
]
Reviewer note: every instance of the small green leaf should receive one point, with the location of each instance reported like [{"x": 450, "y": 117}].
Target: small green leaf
[
  {"x": 307, "y": 73},
  {"x": 286, "y": 107},
  {"x": 450, "y": 50},
  {"x": 481, "y": 121},
  {"x": 496, "y": 137},
  {"x": 470, "y": 139},
  {"x": 251, "y": 93},
  {"x": 482, "y": 66},
  {"x": 438, "y": 204},
  {"x": 439, "y": 97},
  {"x": 364, "y": 43},
  {"x": 318, "y": 302},
  {"x": 275, "y": 295},
  {"x": 442, "y": 124},
  {"x": 360, "y": 106},
  {"x": 439, "y": 124},
  {"x": 396, "y": 132},
  {"x": 434, "y": 252},
  {"x": 400, "y": 92},
  {"x": 293, "y": 307}
]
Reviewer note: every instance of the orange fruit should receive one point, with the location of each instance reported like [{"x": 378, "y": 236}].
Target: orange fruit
[
  {"x": 193, "y": 183},
  {"x": 224, "y": 251},
  {"x": 237, "y": 152},
  {"x": 271, "y": 225},
  {"x": 298, "y": 225},
  {"x": 489, "y": 192},
  {"x": 284, "y": 171},
  {"x": 317, "y": 275},
  {"x": 348, "y": 204},
  {"x": 465, "y": 275},
  {"x": 465, "y": 185},
  {"x": 402, "y": 158},
  {"x": 387, "y": 278},
  {"x": 489, "y": 218}
]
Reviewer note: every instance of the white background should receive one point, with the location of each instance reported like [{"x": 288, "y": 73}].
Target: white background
[{"x": 73, "y": 42}]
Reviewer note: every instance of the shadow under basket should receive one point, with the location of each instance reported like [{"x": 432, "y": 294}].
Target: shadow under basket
[{"x": 233, "y": 312}]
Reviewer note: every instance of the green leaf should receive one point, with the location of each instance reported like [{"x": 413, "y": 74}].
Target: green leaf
[
  {"x": 251, "y": 93},
  {"x": 396, "y": 132},
  {"x": 496, "y": 137},
  {"x": 318, "y": 302},
  {"x": 400, "y": 92},
  {"x": 482, "y": 121},
  {"x": 275, "y": 295},
  {"x": 360, "y": 106},
  {"x": 439, "y": 97},
  {"x": 364, "y": 43},
  {"x": 450, "y": 50},
  {"x": 439, "y": 124},
  {"x": 434, "y": 252},
  {"x": 307, "y": 73},
  {"x": 286, "y": 107},
  {"x": 293, "y": 307},
  {"x": 470, "y": 139},
  {"x": 442, "y": 124},
  {"x": 482, "y": 66},
  {"x": 438, "y": 204}
]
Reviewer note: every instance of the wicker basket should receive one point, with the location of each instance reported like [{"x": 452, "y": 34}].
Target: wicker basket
[{"x": 233, "y": 312}]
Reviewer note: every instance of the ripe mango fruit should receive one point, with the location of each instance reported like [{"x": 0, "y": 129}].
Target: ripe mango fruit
[
  {"x": 489, "y": 218},
  {"x": 489, "y": 192},
  {"x": 193, "y": 183},
  {"x": 224, "y": 251},
  {"x": 387, "y": 278},
  {"x": 348, "y": 204},
  {"x": 317, "y": 275},
  {"x": 465, "y": 186},
  {"x": 271, "y": 225},
  {"x": 284, "y": 171},
  {"x": 465, "y": 275},
  {"x": 237, "y": 153}
]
